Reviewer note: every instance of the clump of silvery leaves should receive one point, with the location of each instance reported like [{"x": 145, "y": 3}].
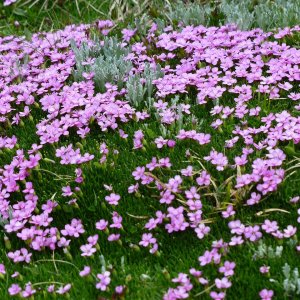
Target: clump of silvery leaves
[
  {"x": 238, "y": 12},
  {"x": 291, "y": 281},
  {"x": 140, "y": 87},
  {"x": 265, "y": 251},
  {"x": 107, "y": 60},
  {"x": 190, "y": 13},
  {"x": 267, "y": 15}
]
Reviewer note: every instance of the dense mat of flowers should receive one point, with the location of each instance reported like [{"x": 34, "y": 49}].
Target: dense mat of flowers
[{"x": 213, "y": 63}]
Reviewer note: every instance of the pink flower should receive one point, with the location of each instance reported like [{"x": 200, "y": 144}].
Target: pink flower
[
  {"x": 117, "y": 221},
  {"x": 51, "y": 288},
  {"x": 227, "y": 268},
  {"x": 133, "y": 188},
  {"x": 295, "y": 200},
  {"x": 9, "y": 2},
  {"x": 195, "y": 273},
  {"x": 147, "y": 239},
  {"x": 266, "y": 294},
  {"x": 119, "y": 289},
  {"x": 228, "y": 212},
  {"x": 113, "y": 199},
  {"x": 218, "y": 159},
  {"x": 138, "y": 173},
  {"x": 128, "y": 34},
  {"x": 21, "y": 255},
  {"x": 101, "y": 225},
  {"x": 14, "y": 289},
  {"x": 15, "y": 275},
  {"x": 113, "y": 237},
  {"x": 67, "y": 191},
  {"x": 29, "y": 291},
  {"x": 217, "y": 296},
  {"x": 92, "y": 240},
  {"x": 2, "y": 269},
  {"x": 264, "y": 269},
  {"x": 73, "y": 229},
  {"x": 289, "y": 231},
  {"x": 270, "y": 226},
  {"x": 85, "y": 272},
  {"x": 206, "y": 258},
  {"x": 202, "y": 230},
  {"x": 252, "y": 233},
  {"x": 254, "y": 199},
  {"x": 87, "y": 250},
  {"x": 63, "y": 242},
  {"x": 123, "y": 135},
  {"x": 64, "y": 289},
  {"x": 223, "y": 283},
  {"x": 104, "y": 281},
  {"x": 188, "y": 171},
  {"x": 204, "y": 179}
]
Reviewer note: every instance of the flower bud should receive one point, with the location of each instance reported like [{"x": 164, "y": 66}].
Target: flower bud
[
  {"x": 49, "y": 160},
  {"x": 135, "y": 247},
  {"x": 7, "y": 243},
  {"x": 128, "y": 278},
  {"x": 68, "y": 254},
  {"x": 166, "y": 274},
  {"x": 79, "y": 145},
  {"x": 103, "y": 205}
]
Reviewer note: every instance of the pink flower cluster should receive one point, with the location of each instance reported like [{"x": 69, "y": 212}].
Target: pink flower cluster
[{"x": 70, "y": 156}]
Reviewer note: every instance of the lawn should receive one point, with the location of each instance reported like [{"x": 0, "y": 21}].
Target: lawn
[{"x": 150, "y": 150}]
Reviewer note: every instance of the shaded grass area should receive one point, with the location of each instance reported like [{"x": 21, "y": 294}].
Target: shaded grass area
[
  {"x": 44, "y": 18},
  {"x": 25, "y": 19}
]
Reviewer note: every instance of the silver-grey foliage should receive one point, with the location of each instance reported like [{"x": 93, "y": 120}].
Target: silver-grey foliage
[
  {"x": 109, "y": 64},
  {"x": 140, "y": 86},
  {"x": 267, "y": 15},
  {"x": 278, "y": 13},
  {"x": 107, "y": 60},
  {"x": 238, "y": 12},
  {"x": 265, "y": 251},
  {"x": 188, "y": 13},
  {"x": 291, "y": 282}
]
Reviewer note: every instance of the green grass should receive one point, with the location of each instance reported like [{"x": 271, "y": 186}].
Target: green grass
[
  {"x": 145, "y": 275},
  {"x": 58, "y": 14}
]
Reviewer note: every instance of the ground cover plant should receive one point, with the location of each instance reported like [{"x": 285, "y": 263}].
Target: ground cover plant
[{"x": 157, "y": 158}]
